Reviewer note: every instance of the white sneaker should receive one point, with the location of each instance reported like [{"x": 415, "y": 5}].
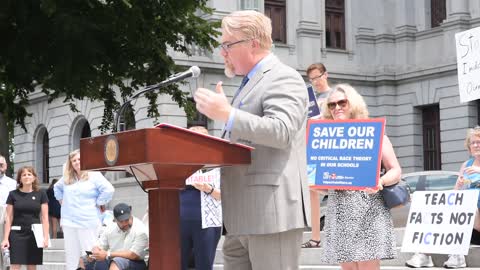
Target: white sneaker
[
  {"x": 455, "y": 261},
  {"x": 419, "y": 260}
]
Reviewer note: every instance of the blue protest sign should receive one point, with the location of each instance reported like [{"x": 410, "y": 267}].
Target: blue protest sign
[
  {"x": 313, "y": 110},
  {"x": 344, "y": 154}
]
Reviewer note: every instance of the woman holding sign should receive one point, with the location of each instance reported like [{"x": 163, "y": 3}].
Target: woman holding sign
[
  {"x": 469, "y": 179},
  {"x": 200, "y": 216},
  {"x": 359, "y": 228}
]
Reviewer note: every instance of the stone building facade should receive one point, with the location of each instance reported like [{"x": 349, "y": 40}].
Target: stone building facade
[{"x": 399, "y": 54}]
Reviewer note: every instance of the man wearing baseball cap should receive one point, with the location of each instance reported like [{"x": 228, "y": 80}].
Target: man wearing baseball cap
[{"x": 122, "y": 244}]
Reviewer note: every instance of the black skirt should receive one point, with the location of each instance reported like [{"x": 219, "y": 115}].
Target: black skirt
[{"x": 23, "y": 248}]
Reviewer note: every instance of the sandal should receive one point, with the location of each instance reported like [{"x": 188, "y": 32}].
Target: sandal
[{"x": 311, "y": 244}]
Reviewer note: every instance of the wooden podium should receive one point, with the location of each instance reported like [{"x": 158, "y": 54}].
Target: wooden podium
[{"x": 161, "y": 159}]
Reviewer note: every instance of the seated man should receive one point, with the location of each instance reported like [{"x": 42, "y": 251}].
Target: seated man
[{"x": 122, "y": 244}]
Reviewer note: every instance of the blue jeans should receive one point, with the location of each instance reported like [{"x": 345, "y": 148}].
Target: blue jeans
[{"x": 122, "y": 263}]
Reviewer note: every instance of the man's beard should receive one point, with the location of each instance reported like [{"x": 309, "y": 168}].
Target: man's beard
[
  {"x": 229, "y": 70},
  {"x": 126, "y": 227}
]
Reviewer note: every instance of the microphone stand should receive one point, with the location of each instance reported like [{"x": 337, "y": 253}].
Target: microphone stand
[
  {"x": 193, "y": 71},
  {"x": 147, "y": 89}
]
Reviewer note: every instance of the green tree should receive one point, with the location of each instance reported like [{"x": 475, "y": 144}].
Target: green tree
[
  {"x": 81, "y": 49},
  {"x": 6, "y": 142}
]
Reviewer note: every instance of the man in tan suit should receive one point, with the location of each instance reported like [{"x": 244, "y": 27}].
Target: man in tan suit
[{"x": 263, "y": 203}]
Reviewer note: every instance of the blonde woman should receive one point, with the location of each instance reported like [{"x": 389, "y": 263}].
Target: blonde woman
[
  {"x": 26, "y": 205},
  {"x": 469, "y": 178},
  {"x": 83, "y": 196},
  {"x": 358, "y": 227}
]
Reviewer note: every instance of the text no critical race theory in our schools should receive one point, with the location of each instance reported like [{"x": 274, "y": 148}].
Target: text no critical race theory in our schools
[{"x": 344, "y": 154}]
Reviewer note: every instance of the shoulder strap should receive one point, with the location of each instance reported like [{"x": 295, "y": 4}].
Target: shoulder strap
[
  {"x": 383, "y": 170},
  {"x": 470, "y": 162}
]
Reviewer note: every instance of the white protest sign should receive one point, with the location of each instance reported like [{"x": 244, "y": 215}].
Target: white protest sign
[
  {"x": 468, "y": 64},
  {"x": 203, "y": 177},
  {"x": 210, "y": 208},
  {"x": 440, "y": 222}
]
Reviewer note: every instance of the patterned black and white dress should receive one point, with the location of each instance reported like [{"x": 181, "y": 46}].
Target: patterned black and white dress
[{"x": 358, "y": 227}]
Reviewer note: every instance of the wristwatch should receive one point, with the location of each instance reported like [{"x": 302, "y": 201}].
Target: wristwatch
[
  {"x": 211, "y": 191},
  {"x": 108, "y": 255}
]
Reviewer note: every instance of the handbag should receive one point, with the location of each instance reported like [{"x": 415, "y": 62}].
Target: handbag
[{"x": 396, "y": 195}]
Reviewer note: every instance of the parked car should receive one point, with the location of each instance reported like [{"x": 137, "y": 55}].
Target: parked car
[{"x": 422, "y": 181}]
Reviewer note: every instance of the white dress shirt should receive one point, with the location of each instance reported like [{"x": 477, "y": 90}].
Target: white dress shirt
[
  {"x": 7, "y": 184},
  {"x": 136, "y": 239}
]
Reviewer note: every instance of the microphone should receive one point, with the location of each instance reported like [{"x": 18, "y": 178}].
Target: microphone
[{"x": 193, "y": 72}]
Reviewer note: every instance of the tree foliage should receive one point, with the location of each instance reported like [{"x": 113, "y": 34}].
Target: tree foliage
[{"x": 81, "y": 49}]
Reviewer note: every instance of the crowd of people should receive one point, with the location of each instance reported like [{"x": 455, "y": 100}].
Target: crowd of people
[
  {"x": 264, "y": 203},
  {"x": 80, "y": 199}
]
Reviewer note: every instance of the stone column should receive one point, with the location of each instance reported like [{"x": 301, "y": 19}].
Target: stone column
[
  {"x": 457, "y": 9},
  {"x": 310, "y": 31},
  {"x": 405, "y": 16}
]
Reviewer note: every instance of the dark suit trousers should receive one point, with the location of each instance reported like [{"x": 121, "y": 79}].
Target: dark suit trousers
[{"x": 202, "y": 242}]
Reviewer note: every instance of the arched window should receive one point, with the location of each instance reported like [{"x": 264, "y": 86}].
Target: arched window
[
  {"x": 46, "y": 157},
  {"x": 80, "y": 129},
  {"x": 42, "y": 154},
  {"x": 127, "y": 119},
  {"x": 86, "y": 132}
]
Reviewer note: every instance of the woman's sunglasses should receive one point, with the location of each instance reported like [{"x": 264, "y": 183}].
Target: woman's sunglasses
[{"x": 342, "y": 103}]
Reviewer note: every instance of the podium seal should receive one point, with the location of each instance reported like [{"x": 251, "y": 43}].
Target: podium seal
[{"x": 111, "y": 150}]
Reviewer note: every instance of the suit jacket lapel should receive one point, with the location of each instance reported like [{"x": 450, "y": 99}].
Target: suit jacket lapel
[{"x": 257, "y": 77}]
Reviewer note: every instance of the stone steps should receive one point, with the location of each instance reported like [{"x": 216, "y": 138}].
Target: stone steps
[
  {"x": 54, "y": 257},
  {"x": 311, "y": 257}
]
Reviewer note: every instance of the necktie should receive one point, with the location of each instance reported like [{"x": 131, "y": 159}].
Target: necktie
[{"x": 244, "y": 82}]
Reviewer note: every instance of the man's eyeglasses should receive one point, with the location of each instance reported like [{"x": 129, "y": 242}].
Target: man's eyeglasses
[
  {"x": 342, "y": 103},
  {"x": 318, "y": 77},
  {"x": 226, "y": 45}
]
